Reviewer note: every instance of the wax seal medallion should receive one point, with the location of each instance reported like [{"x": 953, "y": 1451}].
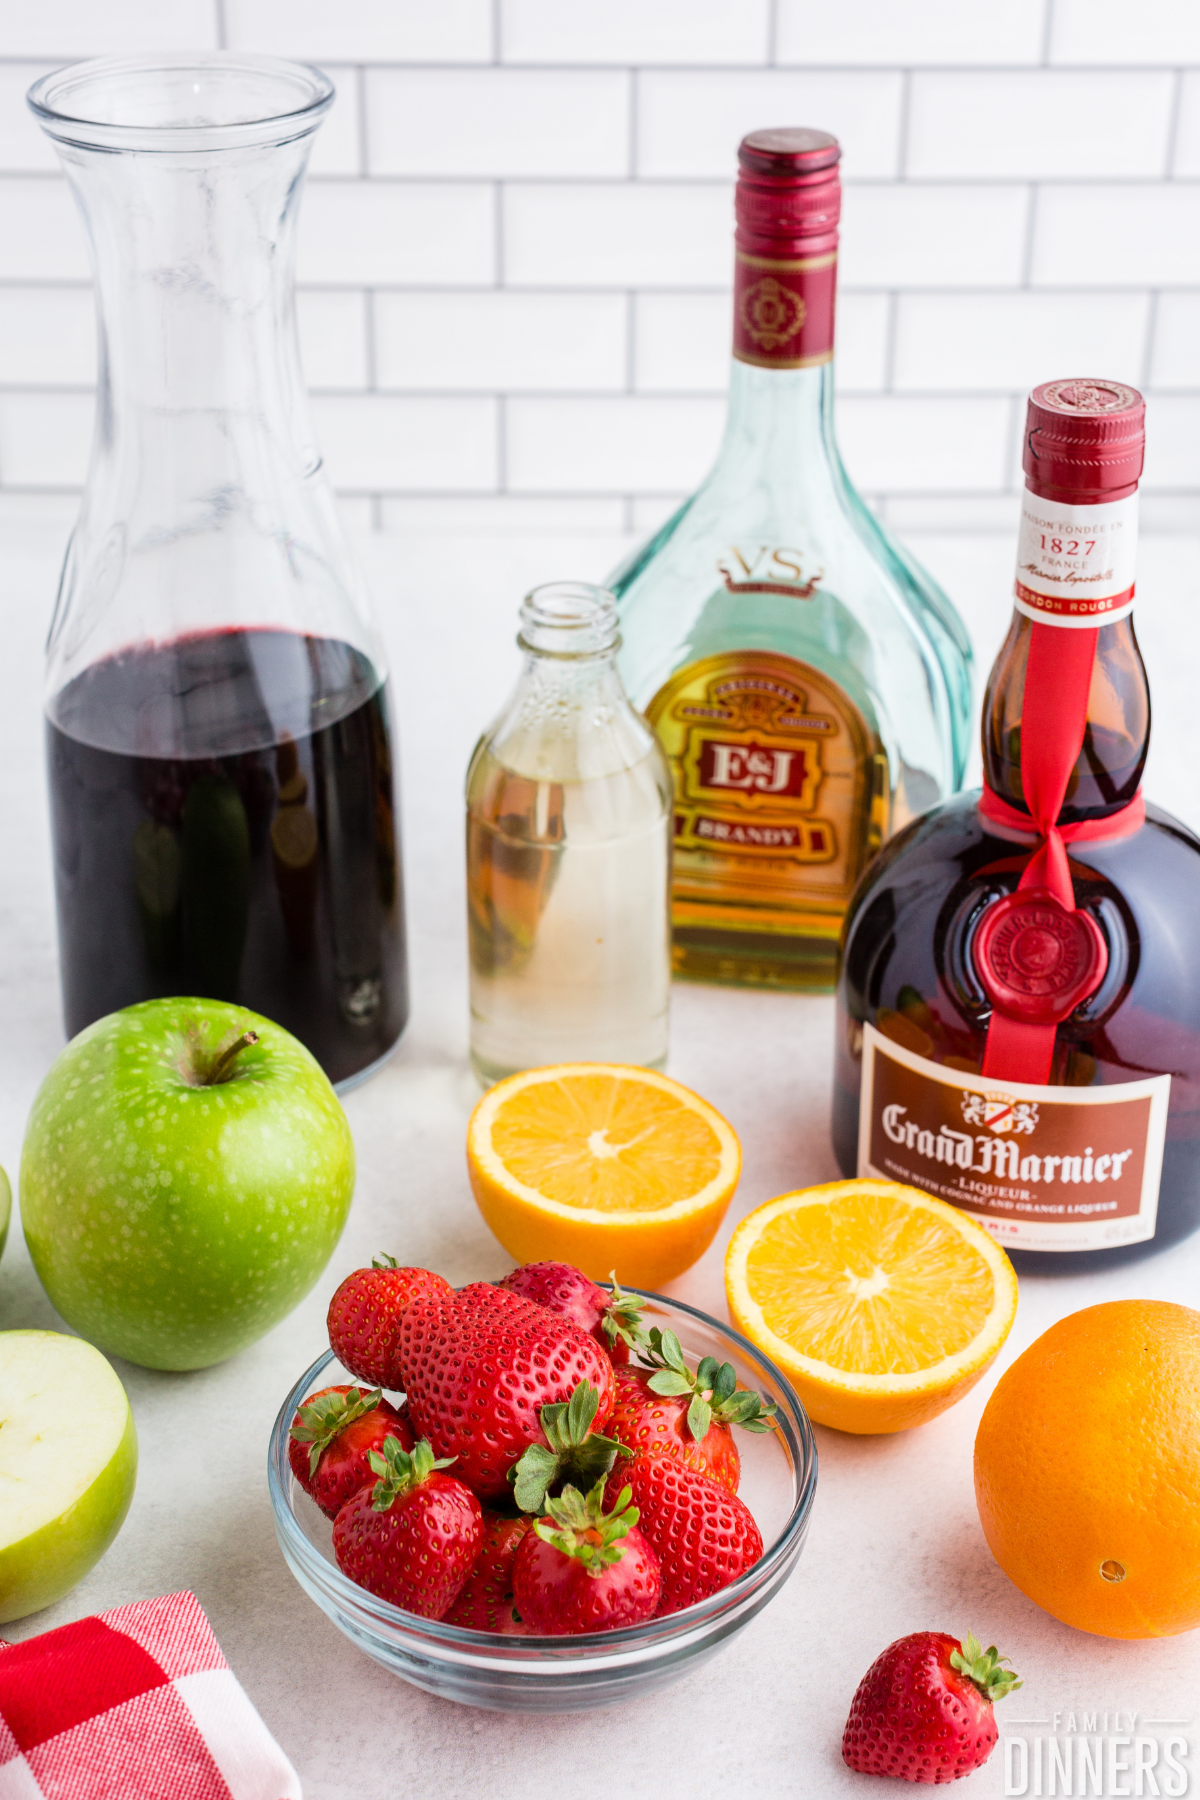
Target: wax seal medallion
[{"x": 1036, "y": 960}]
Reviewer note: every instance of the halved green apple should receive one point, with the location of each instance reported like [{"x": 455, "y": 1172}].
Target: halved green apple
[{"x": 68, "y": 1463}]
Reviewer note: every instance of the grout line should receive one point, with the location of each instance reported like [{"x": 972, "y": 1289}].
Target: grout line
[
  {"x": 627, "y": 505},
  {"x": 501, "y": 443},
  {"x": 496, "y": 33},
  {"x": 222, "y": 31},
  {"x": 582, "y": 396},
  {"x": 772, "y": 32},
  {"x": 634, "y": 101},
  {"x": 631, "y": 342},
  {"x": 376, "y": 505},
  {"x": 1047, "y": 33},
  {"x": 733, "y": 71},
  {"x": 1173, "y": 125}
]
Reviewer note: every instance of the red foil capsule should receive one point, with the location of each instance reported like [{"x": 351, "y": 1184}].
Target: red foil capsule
[
  {"x": 1085, "y": 440},
  {"x": 788, "y": 202}
]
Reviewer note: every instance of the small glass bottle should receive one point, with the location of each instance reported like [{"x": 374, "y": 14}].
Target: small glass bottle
[
  {"x": 568, "y": 855},
  {"x": 1019, "y": 1008},
  {"x": 808, "y": 681}
]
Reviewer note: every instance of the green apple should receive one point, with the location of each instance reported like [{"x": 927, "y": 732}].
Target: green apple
[
  {"x": 5, "y": 1208},
  {"x": 68, "y": 1463},
  {"x": 187, "y": 1171}
]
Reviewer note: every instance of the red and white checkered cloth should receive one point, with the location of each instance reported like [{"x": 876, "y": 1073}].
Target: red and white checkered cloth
[{"x": 134, "y": 1704}]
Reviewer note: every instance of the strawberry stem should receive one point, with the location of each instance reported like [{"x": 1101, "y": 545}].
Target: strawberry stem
[
  {"x": 713, "y": 1387},
  {"x": 983, "y": 1667}
]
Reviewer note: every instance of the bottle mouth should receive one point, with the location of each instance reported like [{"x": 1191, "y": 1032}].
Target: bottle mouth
[
  {"x": 188, "y": 102},
  {"x": 569, "y": 618}
]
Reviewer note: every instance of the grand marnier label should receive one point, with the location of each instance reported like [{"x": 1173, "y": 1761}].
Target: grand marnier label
[{"x": 1042, "y": 1168}]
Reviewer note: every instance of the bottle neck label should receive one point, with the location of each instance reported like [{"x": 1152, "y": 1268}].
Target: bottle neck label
[
  {"x": 1040, "y": 1167},
  {"x": 783, "y": 310},
  {"x": 1075, "y": 564}
]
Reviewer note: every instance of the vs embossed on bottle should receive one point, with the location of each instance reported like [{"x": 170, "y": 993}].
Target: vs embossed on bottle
[
  {"x": 808, "y": 681},
  {"x": 1019, "y": 1008}
]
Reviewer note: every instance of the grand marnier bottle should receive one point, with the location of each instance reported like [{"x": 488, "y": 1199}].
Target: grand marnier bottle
[
  {"x": 808, "y": 682},
  {"x": 1019, "y": 1008}
]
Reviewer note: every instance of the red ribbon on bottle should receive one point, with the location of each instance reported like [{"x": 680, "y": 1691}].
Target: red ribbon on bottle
[{"x": 1037, "y": 955}]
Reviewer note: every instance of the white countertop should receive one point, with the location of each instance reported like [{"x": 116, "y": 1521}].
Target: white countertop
[{"x": 895, "y": 1545}]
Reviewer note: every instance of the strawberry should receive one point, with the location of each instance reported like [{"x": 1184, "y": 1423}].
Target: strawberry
[
  {"x": 584, "y": 1569},
  {"x": 613, "y": 1319},
  {"x": 923, "y": 1710},
  {"x": 412, "y": 1537},
  {"x": 479, "y": 1365},
  {"x": 486, "y": 1602},
  {"x": 332, "y": 1437},
  {"x": 670, "y": 1409},
  {"x": 365, "y": 1312},
  {"x": 704, "y": 1536}
]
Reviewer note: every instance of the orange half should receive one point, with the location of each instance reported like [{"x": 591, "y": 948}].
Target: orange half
[
  {"x": 882, "y": 1304},
  {"x": 604, "y": 1165}
]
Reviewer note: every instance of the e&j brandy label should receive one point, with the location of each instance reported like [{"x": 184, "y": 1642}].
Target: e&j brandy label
[
  {"x": 775, "y": 773},
  {"x": 1041, "y": 1168}
]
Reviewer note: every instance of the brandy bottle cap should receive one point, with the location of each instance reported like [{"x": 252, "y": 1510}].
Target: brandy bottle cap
[{"x": 788, "y": 192}]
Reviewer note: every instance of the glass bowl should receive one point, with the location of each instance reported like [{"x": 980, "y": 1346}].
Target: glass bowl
[{"x": 568, "y": 1674}]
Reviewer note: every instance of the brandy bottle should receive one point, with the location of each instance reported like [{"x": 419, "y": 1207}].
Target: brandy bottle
[
  {"x": 808, "y": 681},
  {"x": 1019, "y": 1006}
]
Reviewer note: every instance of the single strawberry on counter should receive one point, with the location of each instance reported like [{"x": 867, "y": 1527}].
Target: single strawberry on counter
[
  {"x": 704, "y": 1536},
  {"x": 365, "y": 1312},
  {"x": 486, "y": 1601},
  {"x": 582, "y": 1568},
  {"x": 331, "y": 1440},
  {"x": 479, "y": 1365},
  {"x": 923, "y": 1710},
  {"x": 613, "y": 1319},
  {"x": 413, "y": 1537},
  {"x": 670, "y": 1409}
]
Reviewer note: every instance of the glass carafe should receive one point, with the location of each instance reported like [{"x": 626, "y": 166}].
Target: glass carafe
[
  {"x": 568, "y": 855},
  {"x": 222, "y": 776}
]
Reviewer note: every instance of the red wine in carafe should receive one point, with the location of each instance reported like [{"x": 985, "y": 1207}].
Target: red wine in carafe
[{"x": 223, "y": 819}]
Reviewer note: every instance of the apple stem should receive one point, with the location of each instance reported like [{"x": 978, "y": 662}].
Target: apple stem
[{"x": 222, "y": 1066}]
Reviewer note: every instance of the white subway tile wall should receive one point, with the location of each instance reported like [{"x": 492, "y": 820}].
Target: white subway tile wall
[{"x": 515, "y": 243}]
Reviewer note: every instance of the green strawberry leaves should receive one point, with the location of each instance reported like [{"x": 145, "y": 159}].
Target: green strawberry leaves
[
  {"x": 712, "y": 1385},
  {"x": 385, "y": 1260},
  {"x": 581, "y": 1528},
  {"x": 572, "y": 1451},
  {"x": 622, "y": 1318},
  {"x": 983, "y": 1667},
  {"x": 326, "y": 1417},
  {"x": 401, "y": 1470}
]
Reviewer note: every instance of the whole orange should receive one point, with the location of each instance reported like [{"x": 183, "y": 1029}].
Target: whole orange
[{"x": 1087, "y": 1470}]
